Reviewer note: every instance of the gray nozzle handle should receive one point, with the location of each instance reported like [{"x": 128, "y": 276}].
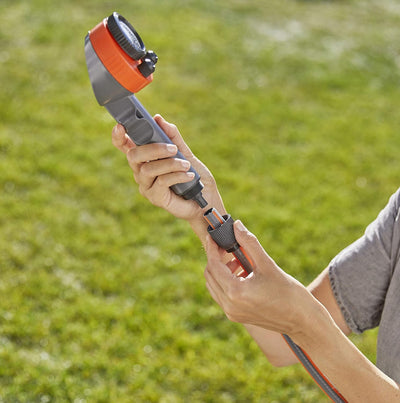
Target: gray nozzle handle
[{"x": 142, "y": 129}]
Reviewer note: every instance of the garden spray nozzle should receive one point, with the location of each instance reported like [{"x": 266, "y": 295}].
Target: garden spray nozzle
[{"x": 119, "y": 66}]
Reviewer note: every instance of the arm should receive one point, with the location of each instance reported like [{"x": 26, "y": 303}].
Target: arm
[
  {"x": 273, "y": 300},
  {"x": 272, "y": 344}
]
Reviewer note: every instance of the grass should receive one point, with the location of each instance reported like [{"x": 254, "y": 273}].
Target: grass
[{"x": 103, "y": 297}]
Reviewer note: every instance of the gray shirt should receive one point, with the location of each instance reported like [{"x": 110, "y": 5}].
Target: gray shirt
[{"x": 365, "y": 278}]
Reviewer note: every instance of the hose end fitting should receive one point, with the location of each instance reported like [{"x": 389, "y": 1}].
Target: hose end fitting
[{"x": 221, "y": 230}]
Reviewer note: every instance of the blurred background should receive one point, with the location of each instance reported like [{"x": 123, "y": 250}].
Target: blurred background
[{"x": 103, "y": 297}]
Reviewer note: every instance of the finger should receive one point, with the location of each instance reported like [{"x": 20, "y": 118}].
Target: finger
[
  {"x": 213, "y": 250},
  {"x": 251, "y": 245},
  {"x": 217, "y": 270},
  {"x": 156, "y": 189},
  {"x": 213, "y": 288},
  {"x": 150, "y": 152},
  {"x": 164, "y": 166},
  {"x": 120, "y": 139},
  {"x": 173, "y": 133},
  {"x": 163, "y": 173}
]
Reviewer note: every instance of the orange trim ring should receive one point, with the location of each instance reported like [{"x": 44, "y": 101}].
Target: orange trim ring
[{"x": 122, "y": 67}]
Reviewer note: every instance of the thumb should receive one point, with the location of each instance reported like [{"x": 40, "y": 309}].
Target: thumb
[{"x": 251, "y": 245}]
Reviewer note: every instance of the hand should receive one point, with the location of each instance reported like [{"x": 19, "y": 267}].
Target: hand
[
  {"x": 155, "y": 171},
  {"x": 268, "y": 298}
]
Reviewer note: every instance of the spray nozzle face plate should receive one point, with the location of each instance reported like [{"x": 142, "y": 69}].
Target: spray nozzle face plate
[
  {"x": 126, "y": 36},
  {"x": 131, "y": 43}
]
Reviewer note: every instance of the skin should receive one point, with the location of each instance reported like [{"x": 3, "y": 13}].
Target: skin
[{"x": 269, "y": 302}]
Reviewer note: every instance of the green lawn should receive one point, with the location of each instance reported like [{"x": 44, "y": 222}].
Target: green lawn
[{"x": 102, "y": 295}]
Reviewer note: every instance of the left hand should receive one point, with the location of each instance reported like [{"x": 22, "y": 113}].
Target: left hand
[
  {"x": 269, "y": 297},
  {"x": 155, "y": 169}
]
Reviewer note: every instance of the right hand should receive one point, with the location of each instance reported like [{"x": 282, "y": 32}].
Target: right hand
[
  {"x": 269, "y": 298},
  {"x": 155, "y": 171}
]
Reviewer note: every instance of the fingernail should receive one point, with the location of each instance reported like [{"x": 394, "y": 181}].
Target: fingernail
[
  {"x": 239, "y": 226},
  {"x": 172, "y": 148},
  {"x": 185, "y": 164},
  {"x": 120, "y": 128},
  {"x": 190, "y": 174}
]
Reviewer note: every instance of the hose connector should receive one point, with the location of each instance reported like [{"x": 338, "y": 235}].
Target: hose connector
[{"x": 222, "y": 232}]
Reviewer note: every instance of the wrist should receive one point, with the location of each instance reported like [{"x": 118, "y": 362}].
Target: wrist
[{"x": 198, "y": 223}]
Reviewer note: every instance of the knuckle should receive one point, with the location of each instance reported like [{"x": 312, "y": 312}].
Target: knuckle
[
  {"x": 131, "y": 156},
  {"x": 231, "y": 292},
  {"x": 212, "y": 180},
  {"x": 207, "y": 269},
  {"x": 251, "y": 238},
  {"x": 154, "y": 199},
  {"x": 236, "y": 293},
  {"x": 142, "y": 191},
  {"x": 114, "y": 141},
  {"x": 145, "y": 169},
  {"x": 230, "y": 315},
  {"x": 162, "y": 181}
]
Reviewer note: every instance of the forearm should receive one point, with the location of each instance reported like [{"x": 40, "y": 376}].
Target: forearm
[
  {"x": 273, "y": 346},
  {"x": 357, "y": 379}
]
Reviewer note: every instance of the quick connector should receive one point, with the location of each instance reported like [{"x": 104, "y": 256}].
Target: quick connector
[{"x": 220, "y": 227}]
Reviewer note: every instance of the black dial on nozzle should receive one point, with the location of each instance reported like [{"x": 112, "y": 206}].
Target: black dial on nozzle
[
  {"x": 148, "y": 64},
  {"x": 126, "y": 36}
]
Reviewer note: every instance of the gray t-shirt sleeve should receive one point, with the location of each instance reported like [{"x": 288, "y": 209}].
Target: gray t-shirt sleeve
[{"x": 361, "y": 273}]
